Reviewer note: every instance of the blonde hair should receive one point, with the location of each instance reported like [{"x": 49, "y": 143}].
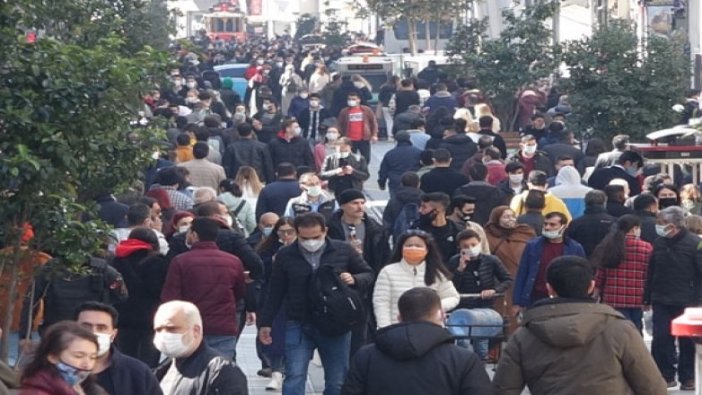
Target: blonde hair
[
  {"x": 247, "y": 176},
  {"x": 690, "y": 192},
  {"x": 471, "y": 124},
  {"x": 693, "y": 223},
  {"x": 482, "y": 110}
]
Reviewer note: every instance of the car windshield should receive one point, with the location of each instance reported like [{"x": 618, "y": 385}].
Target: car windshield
[{"x": 232, "y": 72}]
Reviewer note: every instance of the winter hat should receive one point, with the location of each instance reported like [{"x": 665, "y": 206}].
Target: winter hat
[
  {"x": 402, "y": 137},
  {"x": 227, "y": 83},
  {"x": 350, "y": 195}
]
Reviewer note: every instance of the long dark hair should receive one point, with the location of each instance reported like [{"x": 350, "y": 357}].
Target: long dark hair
[
  {"x": 271, "y": 241},
  {"x": 55, "y": 340},
  {"x": 433, "y": 259},
  {"x": 612, "y": 249}
]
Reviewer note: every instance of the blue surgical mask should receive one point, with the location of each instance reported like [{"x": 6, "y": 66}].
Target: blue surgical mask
[
  {"x": 632, "y": 170},
  {"x": 71, "y": 374},
  {"x": 267, "y": 230}
]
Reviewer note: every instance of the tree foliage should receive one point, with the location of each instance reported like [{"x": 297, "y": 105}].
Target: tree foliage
[
  {"x": 66, "y": 102},
  {"x": 306, "y": 24},
  {"x": 502, "y": 67},
  {"x": 616, "y": 89}
]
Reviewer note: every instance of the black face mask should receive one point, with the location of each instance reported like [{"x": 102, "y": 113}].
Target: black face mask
[
  {"x": 667, "y": 202},
  {"x": 467, "y": 216},
  {"x": 428, "y": 217}
]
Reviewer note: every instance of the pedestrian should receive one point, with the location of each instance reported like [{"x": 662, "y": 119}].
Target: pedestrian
[
  {"x": 417, "y": 262},
  {"x": 192, "y": 367},
  {"x": 606, "y": 355},
  {"x": 537, "y": 180},
  {"x": 203, "y": 173},
  {"x": 313, "y": 198},
  {"x": 461, "y": 147},
  {"x": 251, "y": 186},
  {"x": 534, "y": 205},
  {"x": 443, "y": 178},
  {"x": 486, "y": 196},
  {"x": 247, "y": 151},
  {"x": 616, "y": 198},
  {"x": 486, "y": 129},
  {"x": 358, "y": 122},
  {"x": 570, "y": 189},
  {"x": 116, "y": 373},
  {"x": 343, "y": 169},
  {"x": 622, "y": 260},
  {"x": 275, "y": 196},
  {"x": 531, "y": 157},
  {"x": 433, "y": 219},
  {"x": 240, "y": 210},
  {"x": 673, "y": 283},
  {"x": 290, "y": 147},
  {"x": 416, "y": 355},
  {"x": 400, "y": 159},
  {"x": 627, "y": 167}
]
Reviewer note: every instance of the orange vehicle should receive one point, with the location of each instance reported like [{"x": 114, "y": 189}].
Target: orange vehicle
[{"x": 225, "y": 21}]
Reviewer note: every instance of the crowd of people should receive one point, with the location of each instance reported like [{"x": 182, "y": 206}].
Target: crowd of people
[{"x": 257, "y": 215}]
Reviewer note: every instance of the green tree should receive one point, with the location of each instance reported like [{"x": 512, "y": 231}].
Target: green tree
[
  {"x": 66, "y": 105},
  {"x": 617, "y": 89},
  {"x": 306, "y": 24},
  {"x": 502, "y": 67},
  {"x": 334, "y": 31}
]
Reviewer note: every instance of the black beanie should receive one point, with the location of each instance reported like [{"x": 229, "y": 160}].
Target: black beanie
[{"x": 350, "y": 195}]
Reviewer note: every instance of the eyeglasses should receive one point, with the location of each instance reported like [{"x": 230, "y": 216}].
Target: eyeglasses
[{"x": 286, "y": 232}]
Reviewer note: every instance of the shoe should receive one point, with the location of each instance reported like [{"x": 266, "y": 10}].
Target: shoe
[
  {"x": 671, "y": 383},
  {"x": 687, "y": 385},
  {"x": 265, "y": 372},
  {"x": 276, "y": 383}
]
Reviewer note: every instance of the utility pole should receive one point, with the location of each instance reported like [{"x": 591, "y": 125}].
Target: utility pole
[{"x": 557, "y": 22}]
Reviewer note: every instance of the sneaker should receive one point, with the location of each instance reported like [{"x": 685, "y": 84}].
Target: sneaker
[
  {"x": 276, "y": 383},
  {"x": 265, "y": 372},
  {"x": 671, "y": 383},
  {"x": 687, "y": 385}
]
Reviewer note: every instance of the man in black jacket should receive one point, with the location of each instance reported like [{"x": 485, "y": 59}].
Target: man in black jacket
[
  {"x": 192, "y": 367},
  {"x": 416, "y": 356},
  {"x": 646, "y": 208},
  {"x": 116, "y": 373},
  {"x": 291, "y": 283},
  {"x": 442, "y": 178},
  {"x": 487, "y": 196},
  {"x": 312, "y": 119},
  {"x": 459, "y": 145},
  {"x": 626, "y": 168},
  {"x": 590, "y": 228},
  {"x": 485, "y": 124},
  {"x": 289, "y": 146},
  {"x": 674, "y": 283},
  {"x": 247, "y": 151}
]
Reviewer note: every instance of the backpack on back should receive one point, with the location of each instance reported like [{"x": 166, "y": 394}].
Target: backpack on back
[
  {"x": 336, "y": 307},
  {"x": 237, "y": 226},
  {"x": 409, "y": 214}
]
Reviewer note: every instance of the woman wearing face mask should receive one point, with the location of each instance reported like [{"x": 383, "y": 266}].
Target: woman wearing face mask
[
  {"x": 507, "y": 241},
  {"x": 417, "y": 264},
  {"x": 621, "y": 260},
  {"x": 667, "y": 195},
  {"x": 181, "y": 222},
  {"x": 476, "y": 273},
  {"x": 232, "y": 196},
  {"x": 343, "y": 169},
  {"x": 319, "y": 79},
  {"x": 62, "y": 363},
  {"x": 144, "y": 271},
  {"x": 272, "y": 362},
  {"x": 291, "y": 83}
]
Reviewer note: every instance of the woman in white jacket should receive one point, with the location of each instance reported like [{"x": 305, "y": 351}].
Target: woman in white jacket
[{"x": 417, "y": 264}]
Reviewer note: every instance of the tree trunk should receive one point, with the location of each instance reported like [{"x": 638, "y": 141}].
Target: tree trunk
[
  {"x": 412, "y": 35},
  {"x": 438, "y": 34}
]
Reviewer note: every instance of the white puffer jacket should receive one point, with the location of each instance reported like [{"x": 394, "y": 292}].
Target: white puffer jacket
[{"x": 399, "y": 277}]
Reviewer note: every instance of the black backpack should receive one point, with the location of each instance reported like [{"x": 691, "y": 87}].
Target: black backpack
[
  {"x": 336, "y": 307},
  {"x": 409, "y": 214}
]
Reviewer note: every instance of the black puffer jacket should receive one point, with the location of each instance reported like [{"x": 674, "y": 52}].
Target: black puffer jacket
[
  {"x": 487, "y": 272},
  {"x": 144, "y": 275},
  {"x": 675, "y": 271},
  {"x": 249, "y": 152},
  {"x": 296, "y": 151},
  {"x": 487, "y": 197},
  {"x": 591, "y": 228},
  {"x": 415, "y": 358},
  {"x": 205, "y": 372},
  {"x": 461, "y": 148}
]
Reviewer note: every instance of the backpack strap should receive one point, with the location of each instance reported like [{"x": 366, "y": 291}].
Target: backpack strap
[{"x": 238, "y": 208}]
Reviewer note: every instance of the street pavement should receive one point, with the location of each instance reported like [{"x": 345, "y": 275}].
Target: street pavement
[{"x": 246, "y": 349}]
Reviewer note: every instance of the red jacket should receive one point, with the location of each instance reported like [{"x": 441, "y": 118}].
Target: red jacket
[
  {"x": 623, "y": 286},
  {"x": 46, "y": 382},
  {"x": 370, "y": 122},
  {"x": 211, "y": 279}
]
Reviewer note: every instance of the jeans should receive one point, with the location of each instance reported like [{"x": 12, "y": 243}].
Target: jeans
[
  {"x": 363, "y": 147},
  {"x": 300, "y": 341},
  {"x": 633, "y": 314},
  {"x": 224, "y": 344},
  {"x": 663, "y": 345},
  {"x": 470, "y": 324}
]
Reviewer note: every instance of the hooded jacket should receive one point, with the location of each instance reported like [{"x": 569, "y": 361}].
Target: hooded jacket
[
  {"x": 415, "y": 358},
  {"x": 487, "y": 197},
  {"x": 571, "y": 190},
  {"x": 404, "y": 157},
  {"x": 404, "y": 195},
  {"x": 574, "y": 347},
  {"x": 296, "y": 151}
]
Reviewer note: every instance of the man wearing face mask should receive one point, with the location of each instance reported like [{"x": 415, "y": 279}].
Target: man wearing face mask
[
  {"x": 674, "y": 283},
  {"x": 211, "y": 279},
  {"x": 627, "y": 168},
  {"x": 313, "y": 198},
  {"x": 462, "y": 209},
  {"x": 290, "y": 147},
  {"x": 247, "y": 151},
  {"x": 433, "y": 220},
  {"x": 311, "y": 119},
  {"x": 264, "y": 229},
  {"x": 116, "y": 373},
  {"x": 515, "y": 182},
  {"x": 267, "y": 122},
  {"x": 291, "y": 282},
  {"x": 193, "y": 367},
  {"x": 344, "y": 170},
  {"x": 530, "y": 283},
  {"x": 299, "y": 103},
  {"x": 359, "y": 124},
  {"x": 530, "y": 157}
]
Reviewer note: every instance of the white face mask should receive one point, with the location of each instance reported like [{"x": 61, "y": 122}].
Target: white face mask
[
  {"x": 332, "y": 136},
  {"x": 192, "y": 84},
  {"x": 303, "y": 95},
  {"x": 104, "y": 341},
  {"x": 297, "y": 131},
  {"x": 344, "y": 155},
  {"x": 516, "y": 178},
  {"x": 312, "y": 245},
  {"x": 228, "y": 220},
  {"x": 183, "y": 228},
  {"x": 352, "y": 103},
  {"x": 171, "y": 344},
  {"x": 471, "y": 252},
  {"x": 552, "y": 234},
  {"x": 358, "y": 84},
  {"x": 529, "y": 149},
  {"x": 314, "y": 191}
]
